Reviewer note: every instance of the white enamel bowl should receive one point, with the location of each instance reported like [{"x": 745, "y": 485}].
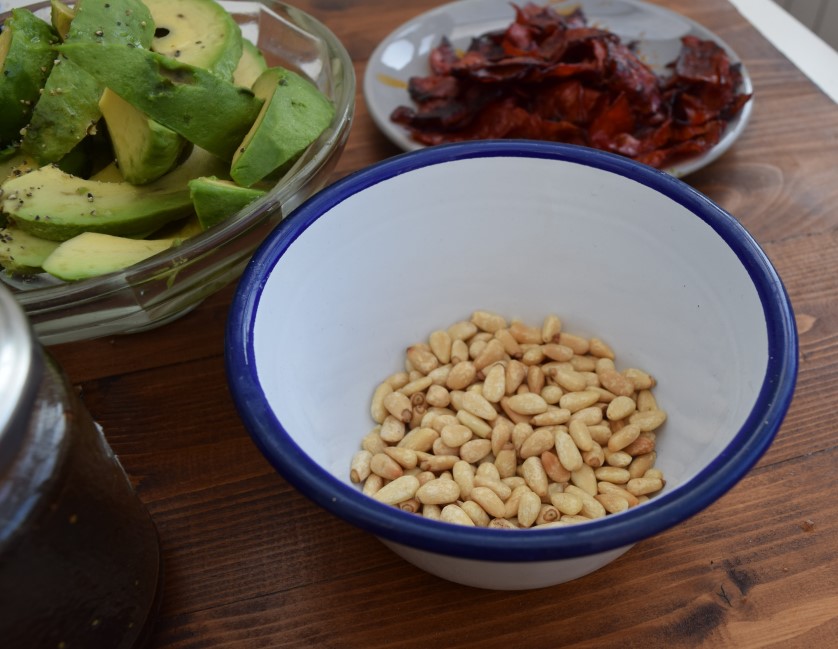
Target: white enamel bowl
[{"x": 377, "y": 261}]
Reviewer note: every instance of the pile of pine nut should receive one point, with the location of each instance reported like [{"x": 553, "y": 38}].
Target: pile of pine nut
[{"x": 502, "y": 424}]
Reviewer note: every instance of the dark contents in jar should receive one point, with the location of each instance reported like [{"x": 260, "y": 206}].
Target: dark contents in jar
[{"x": 80, "y": 563}]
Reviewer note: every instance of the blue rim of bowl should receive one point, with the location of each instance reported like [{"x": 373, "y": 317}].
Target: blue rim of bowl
[{"x": 601, "y": 535}]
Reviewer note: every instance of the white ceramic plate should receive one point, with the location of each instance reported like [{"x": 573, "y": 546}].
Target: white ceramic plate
[{"x": 404, "y": 53}]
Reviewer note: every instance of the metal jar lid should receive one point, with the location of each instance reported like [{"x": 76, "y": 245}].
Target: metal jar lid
[{"x": 20, "y": 374}]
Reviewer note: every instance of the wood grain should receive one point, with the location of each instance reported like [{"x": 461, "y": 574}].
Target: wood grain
[{"x": 251, "y": 563}]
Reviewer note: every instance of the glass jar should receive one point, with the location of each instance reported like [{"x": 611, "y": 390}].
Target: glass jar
[{"x": 80, "y": 560}]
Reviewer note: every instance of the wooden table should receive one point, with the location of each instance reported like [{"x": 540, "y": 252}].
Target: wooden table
[{"x": 252, "y": 563}]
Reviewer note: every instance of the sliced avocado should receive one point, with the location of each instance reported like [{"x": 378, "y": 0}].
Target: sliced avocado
[
  {"x": 26, "y": 58},
  {"x": 16, "y": 165},
  {"x": 197, "y": 32},
  {"x": 144, "y": 149},
  {"x": 20, "y": 252},
  {"x": 251, "y": 64},
  {"x": 203, "y": 108},
  {"x": 91, "y": 254},
  {"x": 293, "y": 115},
  {"x": 61, "y": 15},
  {"x": 53, "y": 205},
  {"x": 216, "y": 199},
  {"x": 68, "y": 109},
  {"x": 109, "y": 174}
]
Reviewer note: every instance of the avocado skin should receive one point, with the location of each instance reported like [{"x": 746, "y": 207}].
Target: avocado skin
[
  {"x": 216, "y": 199},
  {"x": 69, "y": 105},
  {"x": 24, "y": 71},
  {"x": 212, "y": 113},
  {"x": 293, "y": 116}
]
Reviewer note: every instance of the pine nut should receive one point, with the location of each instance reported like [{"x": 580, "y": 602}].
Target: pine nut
[
  {"x": 648, "y": 419},
  {"x": 419, "y": 439},
  {"x": 511, "y": 427},
  {"x": 475, "y": 450},
  {"x": 377, "y": 409},
  {"x": 600, "y": 349},
  {"x": 440, "y": 344},
  {"x": 527, "y": 404},
  {"x": 615, "y": 382},
  {"x": 502, "y": 489},
  {"x": 613, "y": 503},
  {"x": 578, "y": 344},
  {"x": 529, "y": 508},
  {"x": 399, "y": 406},
  {"x": 372, "y": 484},
  {"x": 546, "y": 514},
  {"x": 533, "y": 472},
  {"x": 506, "y": 462},
  {"x": 625, "y": 436},
  {"x": 454, "y": 514},
  {"x": 392, "y": 429},
  {"x": 516, "y": 372},
  {"x": 567, "y": 451},
  {"x": 359, "y": 470},
  {"x": 644, "y": 486},
  {"x": 398, "y": 490},
  {"x": 405, "y": 457},
  {"x": 612, "y": 474},
  {"x": 489, "y": 501},
  {"x": 524, "y": 333},
  {"x": 478, "y": 426},
  {"x": 551, "y": 328},
  {"x": 491, "y": 353},
  {"x": 620, "y": 408},
  {"x": 488, "y": 321},
  {"x": 461, "y": 375},
  {"x": 494, "y": 385},
  {"x": 479, "y": 406},
  {"x": 475, "y": 512},
  {"x": 438, "y": 492},
  {"x": 584, "y": 478},
  {"x": 553, "y": 468},
  {"x": 556, "y": 352},
  {"x": 422, "y": 358},
  {"x": 566, "y": 503},
  {"x": 581, "y": 435},
  {"x": 510, "y": 345}
]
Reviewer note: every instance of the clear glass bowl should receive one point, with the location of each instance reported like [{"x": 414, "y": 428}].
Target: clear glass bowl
[{"x": 168, "y": 285}]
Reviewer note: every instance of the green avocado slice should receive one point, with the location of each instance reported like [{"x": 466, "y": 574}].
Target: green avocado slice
[
  {"x": 197, "y": 32},
  {"x": 26, "y": 58},
  {"x": 144, "y": 149},
  {"x": 216, "y": 199},
  {"x": 61, "y": 15},
  {"x": 91, "y": 254},
  {"x": 69, "y": 106},
  {"x": 212, "y": 113},
  {"x": 293, "y": 115},
  {"x": 20, "y": 252},
  {"x": 251, "y": 64},
  {"x": 50, "y": 204}
]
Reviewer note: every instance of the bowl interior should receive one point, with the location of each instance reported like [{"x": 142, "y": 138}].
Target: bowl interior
[
  {"x": 524, "y": 237},
  {"x": 619, "y": 252}
]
